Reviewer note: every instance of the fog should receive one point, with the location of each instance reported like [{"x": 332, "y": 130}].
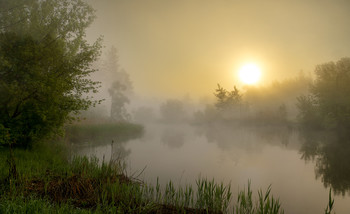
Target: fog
[
  {"x": 171, "y": 48},
  {"x": 172, "y": 67},
  {"x": 108, "y": 104}
]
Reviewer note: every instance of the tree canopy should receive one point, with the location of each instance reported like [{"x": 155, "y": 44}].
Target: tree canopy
[
  {"x": 328, "y": 104},
  {"x": 227, "y": 99},
  {"x": 45, "y": 62}
]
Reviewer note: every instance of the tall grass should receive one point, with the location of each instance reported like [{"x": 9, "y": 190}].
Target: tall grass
[
  {"x": 329, "y": 207},
  {"x": 47, "y": 182},
  {"x": 265, "y": 203},
  {"x": 32, "y": 205}
]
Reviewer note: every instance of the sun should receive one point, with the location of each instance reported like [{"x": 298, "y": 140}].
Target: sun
[{"x": 250, "y": 73}]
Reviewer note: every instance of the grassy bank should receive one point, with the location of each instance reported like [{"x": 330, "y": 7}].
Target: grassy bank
[
  {"x": 44, "y": 179},
  {"x": 46, "y": 182}
]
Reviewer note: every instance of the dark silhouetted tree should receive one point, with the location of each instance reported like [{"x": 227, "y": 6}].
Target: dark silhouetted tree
[
  {"x": 329, "y": 102},
  {"x": 227, "y": 99}
]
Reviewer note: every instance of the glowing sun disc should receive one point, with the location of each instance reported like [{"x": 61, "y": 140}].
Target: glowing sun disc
[{"x": 249, "y": 74}]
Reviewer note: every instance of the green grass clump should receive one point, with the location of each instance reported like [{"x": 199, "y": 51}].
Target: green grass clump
[
  {"x": 212, "y": 196},
  {"x": 32, "y": 205},
  {"x": 82, "y": 183},
  {"x": 329, "y": 207},
  {"x": 265, "y": 203}
]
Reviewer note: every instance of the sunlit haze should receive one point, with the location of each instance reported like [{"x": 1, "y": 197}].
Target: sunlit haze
[
  {"x": 180, "y": 47},
  {"x": 250, "y": 73},
  {"x": 165, "y": 106}
]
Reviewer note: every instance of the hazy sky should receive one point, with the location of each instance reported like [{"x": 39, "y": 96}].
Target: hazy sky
[{"x": 174, "y": 47}]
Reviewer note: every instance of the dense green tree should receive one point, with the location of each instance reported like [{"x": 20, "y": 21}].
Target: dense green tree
[
  {"x": 328, "y": 103},
  {"x": 45, "y": 63}
]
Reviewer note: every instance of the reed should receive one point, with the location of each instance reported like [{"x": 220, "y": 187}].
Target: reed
[
  {"x": 48, "y": 182},
  {"x": 329, "y": 207}
]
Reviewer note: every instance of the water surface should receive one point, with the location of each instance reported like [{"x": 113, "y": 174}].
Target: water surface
[{"x": 295, "y": 166}]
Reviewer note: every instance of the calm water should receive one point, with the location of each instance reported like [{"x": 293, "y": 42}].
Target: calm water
[{"x": 298, "y": 168}]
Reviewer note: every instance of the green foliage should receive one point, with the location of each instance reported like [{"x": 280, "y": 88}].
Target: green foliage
[
  {"x": 329, "y": 207},
  {"x": 328, "y": 102},
  {"x": 266, "y": 203},
  {"x": 48, "y": 183},
  {"x": 244, "y": 202},
  {"x": 308, "y": 115},
  {"x": 213, "y": 197},
  {"x": 44, "y": 67},
  {"x": 34, "y": 205},
  {"x": 4, "y": 135},
  {"x": 34, "y": 162}
]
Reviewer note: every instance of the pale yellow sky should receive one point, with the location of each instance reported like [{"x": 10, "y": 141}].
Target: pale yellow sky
[{"x": 174, "y": 47}]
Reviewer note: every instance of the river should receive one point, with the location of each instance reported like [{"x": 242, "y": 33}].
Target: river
[{"x": 299, "y": 171}]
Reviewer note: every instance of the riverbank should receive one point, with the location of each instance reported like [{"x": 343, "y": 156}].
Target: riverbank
[
  {"x": 48, "y": 179},
  {"x": 44, "y": 181}
]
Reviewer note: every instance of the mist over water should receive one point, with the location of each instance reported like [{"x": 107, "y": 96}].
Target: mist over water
[
  {"x": 182, "y": 153},
  {"x": 235, "y": 91},
  {"x": 235, "y": 136},
  {"x": 172, "y": 67}
]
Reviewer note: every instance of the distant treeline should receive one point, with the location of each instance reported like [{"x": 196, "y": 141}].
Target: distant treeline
[
  {"x": 273, "y": 104},
  {"x": 322, "y": 102}
]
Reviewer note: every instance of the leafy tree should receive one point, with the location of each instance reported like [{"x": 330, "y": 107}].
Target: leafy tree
[
  {"x": 329, "y": 102},
  {"x": 121, "y": 86},
  {"x": 45, "y": 63},
  {"x": 227, "y": 99},
  {"x": 119, "y": 100},
  {"x": 308, "y": 115}
]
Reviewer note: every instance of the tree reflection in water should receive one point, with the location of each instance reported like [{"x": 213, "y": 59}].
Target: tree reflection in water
[
  {"x": 174, "y": 138},
  {"x": 105, "y": 141},
  {"x": 331, "y": 154}
]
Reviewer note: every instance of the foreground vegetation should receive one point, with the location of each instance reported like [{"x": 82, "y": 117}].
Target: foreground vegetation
[
  {"x": 44, "y": 181},
  {"x": 45, "y": 67}
]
